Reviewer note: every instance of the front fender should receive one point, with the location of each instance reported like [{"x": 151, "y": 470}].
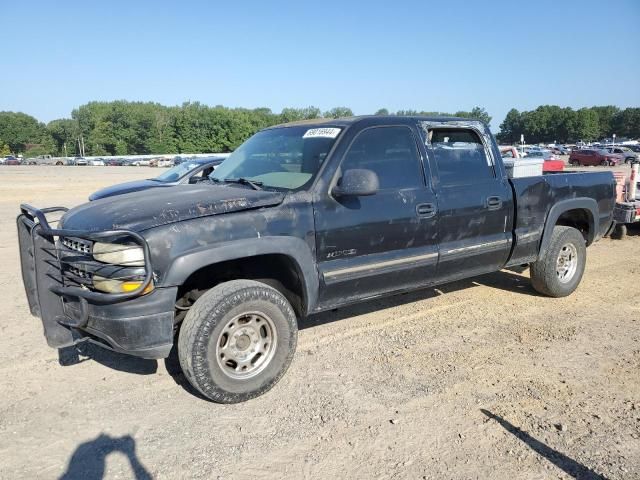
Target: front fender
[{"x": 297, "y": 249}]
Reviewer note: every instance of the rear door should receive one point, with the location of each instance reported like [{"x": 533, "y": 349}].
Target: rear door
[
  {"x": 475, "y": 202},
  {"x": 369, "y": 245}
]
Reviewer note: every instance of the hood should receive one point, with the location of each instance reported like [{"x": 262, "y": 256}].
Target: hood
[
  {"x": 126, "y": 187},
  {"x": 140, "y": 211}
]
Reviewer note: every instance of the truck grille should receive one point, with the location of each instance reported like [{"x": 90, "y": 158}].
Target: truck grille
[
  {"x": 79, "y": 273},
  {"x": 77, "y": 245}
]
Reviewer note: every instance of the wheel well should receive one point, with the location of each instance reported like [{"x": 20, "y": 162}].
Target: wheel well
[
  {"x": 276, "y": 270},
  {"x": 580, "y": 219}
]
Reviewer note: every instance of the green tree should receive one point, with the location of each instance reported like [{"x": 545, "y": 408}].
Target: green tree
[
  {"x": 339, "y": 112},
  {"x": 4, "y": 150},
  {"x": 477, "y": 113},
  {"x": 19, "y": 130},
  {"x": 64, "y": 133},
  {"x": 606, "y": 115},
  {"x": 382, "y": 111},
  {"x": 511, "y": 128},
  {"x": 295, "y": 114},
  {"x": 586, "y": 126}
]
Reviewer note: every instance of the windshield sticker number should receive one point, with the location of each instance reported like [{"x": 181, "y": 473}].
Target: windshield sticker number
[{"x": 321, "y": 133}]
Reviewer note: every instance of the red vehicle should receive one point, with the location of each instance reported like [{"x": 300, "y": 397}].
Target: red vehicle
[{"x": 586, "y": 157}]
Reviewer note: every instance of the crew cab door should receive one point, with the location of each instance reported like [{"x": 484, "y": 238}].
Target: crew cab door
[
  {"x": 475, "y": 202},
  {"x": 368, "y": 245}
]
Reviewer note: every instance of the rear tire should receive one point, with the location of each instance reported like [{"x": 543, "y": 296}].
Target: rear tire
[
  {"x": 604, "y": 163},
  {"x": 237, "y": 341},
  {"x": 559, "y": 271}
]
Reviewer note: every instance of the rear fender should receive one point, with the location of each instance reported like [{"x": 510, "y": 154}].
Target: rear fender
[{"x": 587, "y": 204}]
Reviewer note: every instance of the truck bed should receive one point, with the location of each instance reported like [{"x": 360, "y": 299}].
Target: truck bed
[{"x": 535, "y": 197}]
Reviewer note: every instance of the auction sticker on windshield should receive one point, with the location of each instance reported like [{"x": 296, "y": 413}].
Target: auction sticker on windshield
[{"x": 321, "y": 132}]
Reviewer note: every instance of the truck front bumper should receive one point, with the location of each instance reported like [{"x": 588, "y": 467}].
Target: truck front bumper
[{"x": 135, "y": 324}]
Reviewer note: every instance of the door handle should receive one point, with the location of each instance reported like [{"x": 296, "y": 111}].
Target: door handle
[
  {"x": 426, "y": 210},
  {"x": 494, "y": 203}
]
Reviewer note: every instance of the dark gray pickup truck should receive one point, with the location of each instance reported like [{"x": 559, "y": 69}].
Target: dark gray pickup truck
[{"x": 302, "y": 218}]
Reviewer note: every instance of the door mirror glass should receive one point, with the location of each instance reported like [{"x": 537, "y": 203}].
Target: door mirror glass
[{"x": 357, "y": 182}]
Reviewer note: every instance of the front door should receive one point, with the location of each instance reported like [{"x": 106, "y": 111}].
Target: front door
[
  {"x": 369, "y": 245},
  {"x": 475, "y": 203}
]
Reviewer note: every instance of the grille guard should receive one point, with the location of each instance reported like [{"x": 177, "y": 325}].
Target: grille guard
[{"x": 32, "y": 216}]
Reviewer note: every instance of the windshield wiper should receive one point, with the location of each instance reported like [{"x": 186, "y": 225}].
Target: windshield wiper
[{"x": 245, "y": 181}]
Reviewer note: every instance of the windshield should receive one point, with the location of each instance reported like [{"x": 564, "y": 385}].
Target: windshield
[
  {"x": 286, "y": 158},
  {"x": 177, "y": 172}
]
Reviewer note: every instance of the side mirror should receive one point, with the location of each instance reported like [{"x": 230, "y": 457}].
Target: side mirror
[
  {"x": 195, "y": 179},
  {"x": 357, "y": 182}
]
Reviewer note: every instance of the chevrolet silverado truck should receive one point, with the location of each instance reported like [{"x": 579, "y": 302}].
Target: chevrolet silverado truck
[{"x": 301, "y": 218}]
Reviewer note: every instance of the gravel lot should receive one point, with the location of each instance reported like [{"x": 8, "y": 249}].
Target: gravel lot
[{"x": 475, "y": 379}]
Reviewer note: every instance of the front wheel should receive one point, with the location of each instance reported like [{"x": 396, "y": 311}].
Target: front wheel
[
  {"x": 559, "y": 271},
  {"x": 237, "y": 341}
]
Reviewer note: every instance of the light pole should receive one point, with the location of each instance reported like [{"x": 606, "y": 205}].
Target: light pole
[{"x": 614, "y": 140}]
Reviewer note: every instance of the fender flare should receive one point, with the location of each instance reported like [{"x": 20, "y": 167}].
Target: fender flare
[
  {"x": 588, "y": 204},
  {"x": 295, "y": 248}
]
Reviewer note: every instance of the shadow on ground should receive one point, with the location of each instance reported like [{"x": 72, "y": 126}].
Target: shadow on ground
[
  {"x": 560, "y": 460},
  {"x": 505, "y": 280},
  {"x": 117, "y": 361},
  {"x": 89, "y": 459}
]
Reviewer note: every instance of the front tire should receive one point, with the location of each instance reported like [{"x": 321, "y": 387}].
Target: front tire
[
  {"x": 237, "y": 341},
  {"x": 559, "y": 271}
]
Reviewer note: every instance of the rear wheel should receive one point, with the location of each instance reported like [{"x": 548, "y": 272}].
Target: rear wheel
[
  {"x": 559, "y": 271},
  {"x": 237, "y": 341},
  {"x": 575, "y": 163},
  {"x": 604, "y": 163},
  {"x": 58, "y": 163}
]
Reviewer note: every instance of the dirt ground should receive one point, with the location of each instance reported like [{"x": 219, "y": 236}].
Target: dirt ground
[{"x": 476, "y": 379}]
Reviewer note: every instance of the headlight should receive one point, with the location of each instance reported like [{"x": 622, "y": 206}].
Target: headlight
[
  {"x": 125, "y": 254},
  {"x": 110, "y": 285}
]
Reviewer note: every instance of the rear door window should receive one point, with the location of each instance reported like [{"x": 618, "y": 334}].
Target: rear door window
[{"x": 460, "y": 156}]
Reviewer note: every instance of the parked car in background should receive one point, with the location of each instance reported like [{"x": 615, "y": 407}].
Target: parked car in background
[
  {"x": 559, "y": 150},
  {"x": 80, "y": 161},
  {"x": 628, "y": 154},
  {"x": 11, "y": 160},
  {"x": 634, "y": 148},
  {"x": 141, "y": 163},
  {"x": 114, "y": 162},
  {"x": 96, "y": 162},
  {"x": 507, "y": 151},
  {"x": 165, "y": 163},
  {"x": 192, "y": 171},
  {"x": 551, "y": 162},
  {"x": 592, "y": 157}
]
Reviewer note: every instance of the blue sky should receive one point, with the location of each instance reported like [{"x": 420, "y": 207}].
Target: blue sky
[{"x": 423, "y": 55}]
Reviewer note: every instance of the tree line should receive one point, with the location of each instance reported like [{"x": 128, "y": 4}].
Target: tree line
[
  {"x": 551, "y": 123},
  {"x": 129, "y": 128}
]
